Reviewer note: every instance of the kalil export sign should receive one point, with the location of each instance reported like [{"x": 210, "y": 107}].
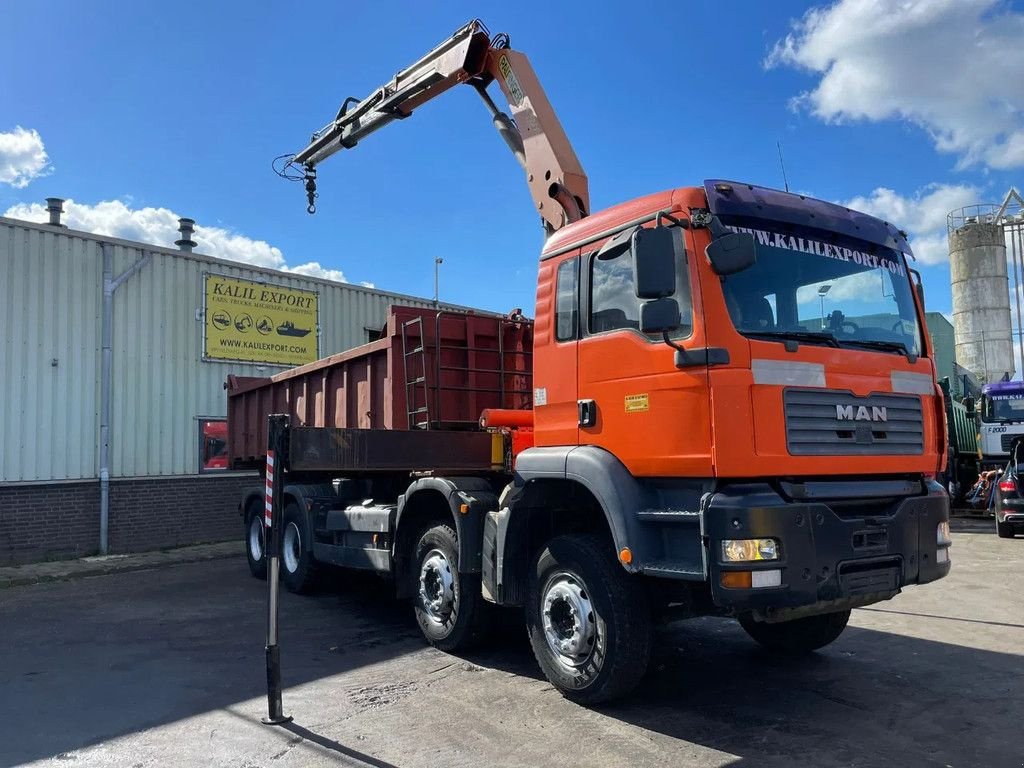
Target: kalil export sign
[{"x": 255, "y": 322}]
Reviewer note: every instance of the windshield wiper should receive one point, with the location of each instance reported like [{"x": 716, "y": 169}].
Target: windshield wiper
[
  {"x": 887, "y": 346},
  {"x": 813, "y": 337}
]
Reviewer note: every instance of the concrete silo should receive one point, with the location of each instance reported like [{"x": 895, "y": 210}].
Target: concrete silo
[{"x": 981, "y": 293}]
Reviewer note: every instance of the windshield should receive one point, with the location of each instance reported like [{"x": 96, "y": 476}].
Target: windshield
[
  {"x": 1003, "y": 407},
  {"x": 816, "y": 288}
]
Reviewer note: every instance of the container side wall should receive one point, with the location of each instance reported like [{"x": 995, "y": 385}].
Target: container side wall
[{"x": 462, "y": 364}]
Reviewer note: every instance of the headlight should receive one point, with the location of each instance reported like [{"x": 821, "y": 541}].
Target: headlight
[
  {"x": 749, "y": 550},
  {"x": 942, "y": 537}
]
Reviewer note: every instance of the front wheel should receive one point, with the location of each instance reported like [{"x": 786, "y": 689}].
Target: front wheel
[
  {"x": 450, "y": 608},
  {"x": 797, "y": 636},
  {"x": 588, "y": 620}
]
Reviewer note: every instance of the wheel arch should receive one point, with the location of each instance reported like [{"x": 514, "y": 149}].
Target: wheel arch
[
  {"x": 303, "y": 495},
  {"x": 252, "y": 499},
  {"x": 462, "y": 502},
  {"x": 605, "y": 480}
]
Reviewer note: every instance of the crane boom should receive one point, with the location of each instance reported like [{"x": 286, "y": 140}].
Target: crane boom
[{"x": 555, "y": 177}]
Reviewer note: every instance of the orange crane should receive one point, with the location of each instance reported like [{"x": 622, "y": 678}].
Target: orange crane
[{"x": 556, "y": 179}]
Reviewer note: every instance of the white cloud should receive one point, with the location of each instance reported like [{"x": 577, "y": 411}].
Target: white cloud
[
  {"x": 953, "y": 67},
  {"x": 22, "y": 157},
  {"x": 159, "y": 226},
  {"x": 922, "y": 214},
  {"x": 864, "y": 287},
  {"x": 313, "y": 269},
  {"x": 931, "y": 249}
]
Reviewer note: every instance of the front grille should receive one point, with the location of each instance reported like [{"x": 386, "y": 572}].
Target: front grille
[
  {"x": 1005, "y": 440},
  {"x": 814, "y": 426}
]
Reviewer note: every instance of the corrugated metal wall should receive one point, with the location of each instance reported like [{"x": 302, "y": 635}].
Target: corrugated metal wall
[
  {"x": 49, "y": 355},
  {"x": 51, "y": 293}
]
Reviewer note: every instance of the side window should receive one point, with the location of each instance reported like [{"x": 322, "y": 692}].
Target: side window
[
  {"x": 613, "y": 301},
  {"x": 213, "y": 445},
  {"x": 566, "y": 302}
]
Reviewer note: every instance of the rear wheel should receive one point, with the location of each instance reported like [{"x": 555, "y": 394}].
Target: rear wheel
[
  {"x": 255, "y": 542},
  {"x": 1005, "y": 530},
  {"x": 797, "y": 636},
  {"x": 588, "y": 620},
  {"x": 450, "y": 608},
  {"x": 298, "y": 568}
]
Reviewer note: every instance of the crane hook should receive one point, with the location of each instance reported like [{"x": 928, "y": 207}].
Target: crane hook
[{"x": 311, "y": 194}]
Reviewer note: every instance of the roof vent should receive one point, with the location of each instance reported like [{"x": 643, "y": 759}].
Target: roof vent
[
  {"x": 55, "y": 207},
  {"x": 186, "y": 227}
]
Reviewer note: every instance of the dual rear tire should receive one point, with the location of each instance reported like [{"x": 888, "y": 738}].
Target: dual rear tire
[
  {"x": 255, "y": 541},
  {"x": 298, "y": 568}
]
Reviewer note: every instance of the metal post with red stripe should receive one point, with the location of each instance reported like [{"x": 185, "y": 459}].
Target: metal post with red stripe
[
  {"x": 273, "y": 508},
  {"x": 268, "y": 503}
]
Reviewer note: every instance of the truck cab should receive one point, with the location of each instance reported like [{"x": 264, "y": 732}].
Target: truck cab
[
  {"x": 1001, "y": 420},
  {"x": 772, "y": 453}
]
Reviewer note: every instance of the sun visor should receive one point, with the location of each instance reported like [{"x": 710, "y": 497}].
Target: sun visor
[
  {"x": 617, "y": 244},
  {"x": 733, "y": 198}
]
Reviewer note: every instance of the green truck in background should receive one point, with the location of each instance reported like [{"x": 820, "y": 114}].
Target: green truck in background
[{"x": 964, "y": 453}]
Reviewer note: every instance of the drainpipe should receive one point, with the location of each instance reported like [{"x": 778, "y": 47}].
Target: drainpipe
[{"x": 110, "y": 284}]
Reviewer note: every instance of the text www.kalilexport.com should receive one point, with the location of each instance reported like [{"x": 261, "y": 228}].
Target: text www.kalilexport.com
[{"x": 262, "y": 346}]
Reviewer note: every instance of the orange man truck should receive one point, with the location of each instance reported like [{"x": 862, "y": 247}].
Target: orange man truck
[{"x": 733, "y": 412}]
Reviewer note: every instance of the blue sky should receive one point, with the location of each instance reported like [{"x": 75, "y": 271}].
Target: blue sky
[{"x": 137, "y": 107}]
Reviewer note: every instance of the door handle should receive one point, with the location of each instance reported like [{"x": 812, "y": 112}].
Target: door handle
[
  {"x": 704, "y": 356},
  {"x": 587, "y": 412}
]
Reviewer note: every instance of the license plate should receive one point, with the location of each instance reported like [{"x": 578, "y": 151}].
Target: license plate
[{"x": 865, "y": 582}]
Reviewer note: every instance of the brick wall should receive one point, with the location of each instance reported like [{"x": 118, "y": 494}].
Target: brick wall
[
  {"x": 46, "y": 522},
  {"x": 61, "y": 520}
]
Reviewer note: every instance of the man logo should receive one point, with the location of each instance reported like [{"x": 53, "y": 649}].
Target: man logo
[{"x": 848, "y": 413}]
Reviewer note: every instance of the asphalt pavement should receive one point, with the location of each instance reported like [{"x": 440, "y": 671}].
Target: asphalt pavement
[{"x": 166, "y": 667}]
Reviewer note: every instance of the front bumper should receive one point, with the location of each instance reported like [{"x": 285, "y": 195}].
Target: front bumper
[{"x": 838, "y": 554}]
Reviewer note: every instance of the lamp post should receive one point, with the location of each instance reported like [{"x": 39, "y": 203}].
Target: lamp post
[
  {"x": 822, "y": 292},
  {"x": 437, "y": 265}
]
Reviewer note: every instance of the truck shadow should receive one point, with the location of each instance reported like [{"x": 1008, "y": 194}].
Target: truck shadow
[
  {"x": 89, "y": 661},
  {"x": 872, "y": 698}
]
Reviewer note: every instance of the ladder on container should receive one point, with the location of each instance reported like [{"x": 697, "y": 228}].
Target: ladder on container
[{"x": 418, "y": 417}]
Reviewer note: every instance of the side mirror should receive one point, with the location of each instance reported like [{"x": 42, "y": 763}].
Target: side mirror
[
  {"x": 732, "y": 252},
  {"x": 655, "y": 253},
  {"x": 659, "y": 315},
  {"x": 918, "y": 285}
]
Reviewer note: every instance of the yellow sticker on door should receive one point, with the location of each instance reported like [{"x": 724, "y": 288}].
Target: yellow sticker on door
[{"x": 637, "y": 403}]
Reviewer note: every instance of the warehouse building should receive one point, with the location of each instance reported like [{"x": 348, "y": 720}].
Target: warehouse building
[{"x": 113, "y": 359}]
